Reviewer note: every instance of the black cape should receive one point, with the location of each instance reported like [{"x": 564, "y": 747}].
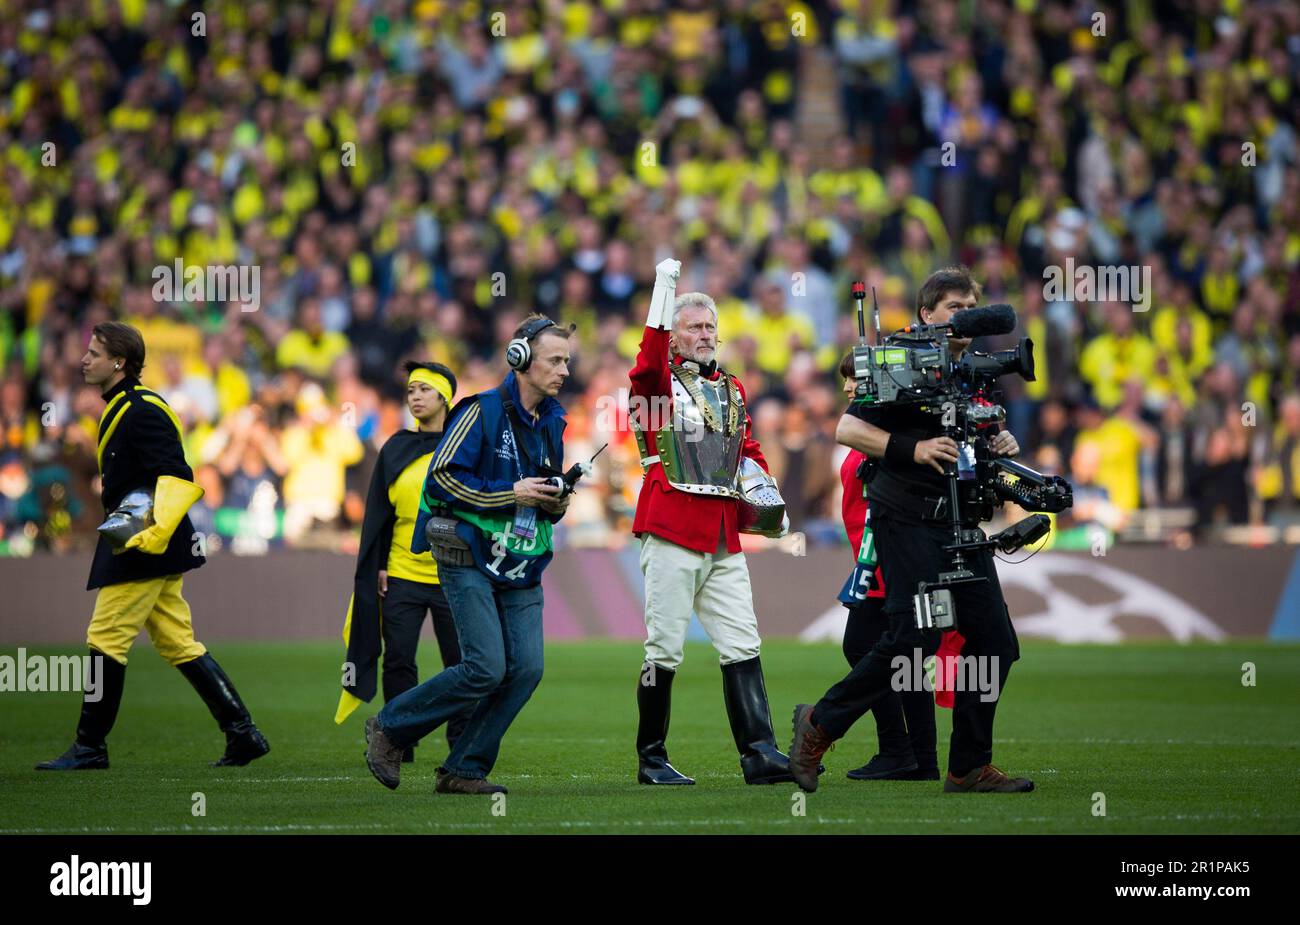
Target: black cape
[{"x": 364, "y": 636}]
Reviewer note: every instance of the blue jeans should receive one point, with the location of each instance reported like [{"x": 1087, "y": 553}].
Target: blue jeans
[{"x": 500, "y": 632}]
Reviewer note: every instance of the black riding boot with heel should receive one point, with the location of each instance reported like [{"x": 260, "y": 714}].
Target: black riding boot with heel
[
  {"x": 751, "y": 723},
  {"x": 90, "y": 750},
  {"x": 654, "y": 697},
  {"x": 244, "y": 742}
]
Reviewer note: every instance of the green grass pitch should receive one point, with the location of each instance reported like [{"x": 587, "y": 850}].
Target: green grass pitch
[{"x": 1167, "y": 733}]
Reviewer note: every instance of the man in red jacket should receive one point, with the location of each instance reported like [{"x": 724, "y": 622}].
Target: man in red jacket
[{"x": 692, "y": 428}]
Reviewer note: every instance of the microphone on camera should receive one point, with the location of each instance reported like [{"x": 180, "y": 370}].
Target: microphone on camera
[{"x": 988, "y": 321}]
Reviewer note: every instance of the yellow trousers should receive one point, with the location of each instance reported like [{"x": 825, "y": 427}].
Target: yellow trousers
[{"x": 153, "y": 604}]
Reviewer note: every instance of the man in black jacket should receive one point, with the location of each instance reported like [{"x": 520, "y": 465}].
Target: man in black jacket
[
  {"x": 911, "y": 529},
  {"x": 139, "y": 448}
]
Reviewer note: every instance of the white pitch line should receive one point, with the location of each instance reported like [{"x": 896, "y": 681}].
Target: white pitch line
[
  {"x": 587, "y": 824},
  {"x": 574, "y": 824},
  {"x": 252, "y": 780}
]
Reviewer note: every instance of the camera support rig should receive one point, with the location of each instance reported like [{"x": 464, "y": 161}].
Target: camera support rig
[{"x": 915, "y": 366}]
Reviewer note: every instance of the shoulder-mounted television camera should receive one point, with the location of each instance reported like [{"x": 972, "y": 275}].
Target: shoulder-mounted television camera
[{"x": 915, "y": 367}]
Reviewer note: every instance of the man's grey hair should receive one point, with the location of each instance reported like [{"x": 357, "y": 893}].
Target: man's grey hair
[{"x": 691, "y": 299}]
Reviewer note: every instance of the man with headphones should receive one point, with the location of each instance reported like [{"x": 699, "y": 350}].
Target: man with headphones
[
  {"x": 492, "y": 479},
  {"x": 688, "y": 521}
]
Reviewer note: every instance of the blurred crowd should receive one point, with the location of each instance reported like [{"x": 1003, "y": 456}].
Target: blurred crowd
[{"x": 410, "y": 179}]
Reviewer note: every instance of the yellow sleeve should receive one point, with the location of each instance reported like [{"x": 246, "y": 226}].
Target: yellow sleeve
[
  {"x": 293, "y": 444},
  {"x": 1091, "y": 358},
  {"x": 346, "y": 445},
  {"x": 288, "y": 351}
]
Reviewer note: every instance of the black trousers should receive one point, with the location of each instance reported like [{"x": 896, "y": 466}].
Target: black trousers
[
  {"x": 912, "y": 551},
  {"x": 405, "y": 606},
  {"x": 904, "y": 719}
]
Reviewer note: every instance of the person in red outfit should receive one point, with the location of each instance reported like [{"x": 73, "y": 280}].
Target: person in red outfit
[{"x": 692, "y": 428}]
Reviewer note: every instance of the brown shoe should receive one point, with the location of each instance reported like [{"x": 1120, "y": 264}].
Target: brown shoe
[
  {"x": 806, "y": 750},
  {"x": 446, "y": 782},
  {"x": 383, "y": 758},
  {"x": 987, "y": 779}
]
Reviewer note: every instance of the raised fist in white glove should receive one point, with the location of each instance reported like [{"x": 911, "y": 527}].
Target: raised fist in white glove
[
  {"x": 660, "y": 314},
  {"x": 667, "y": 272}
]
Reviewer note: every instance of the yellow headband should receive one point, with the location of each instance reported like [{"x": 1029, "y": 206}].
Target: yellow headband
[{"x": 437, "y": 381}]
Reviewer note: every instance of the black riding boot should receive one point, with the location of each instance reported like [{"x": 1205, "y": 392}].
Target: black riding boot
[
  {"x": 90, "y": 750},
  {"x": 244, "y": 742},
  {"x": 751, "y": 723},
  {"x": 654, "y": 695}
]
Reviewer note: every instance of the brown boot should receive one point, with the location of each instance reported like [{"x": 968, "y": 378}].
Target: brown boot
[
  {"x": 446, "y": 782},
  {"x": 806, "y": 750},
  {"x": 987, "y": 779},
  {"x": 383, "y": 757}
]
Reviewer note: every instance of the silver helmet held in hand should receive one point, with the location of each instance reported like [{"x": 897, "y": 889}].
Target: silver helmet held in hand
[
  {"x": 762, "y": 509},
  {"x": 133, "y": 514}
]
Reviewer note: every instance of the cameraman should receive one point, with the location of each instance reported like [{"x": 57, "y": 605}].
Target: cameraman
[{"x": 909, "y": 515}]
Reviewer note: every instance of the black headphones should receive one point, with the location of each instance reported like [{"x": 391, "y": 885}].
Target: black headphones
[{"x": 519, "y": 352}]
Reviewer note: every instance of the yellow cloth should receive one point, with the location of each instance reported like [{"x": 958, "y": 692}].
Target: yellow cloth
[
  {"x": 1109, "y": 361},
  {"x": 1117, "y": 471},
  {"x": 437, "y": 381},
  {"x": 1272, "y": 476},
  {"x": 929, "y": 216},
  {"x": 1036, "y": 330},
  {"x": 687, "y": 31},
  {"x": 314, "y": 357},
  {"x": 347, "y": 705},
  {"x": 234, "y": 391},
  {"x": 1220, "y": 293},
  {"x": 153, "y": 604},
  {"x": 404, "y": 495},
  {"x": 164, "y": 337},
  {"x": 1164, "y": 332},
  {"x": 348, "y": 702},
  {"x": 774, "y": 337},
  {"x": 317, "y": 458},
  {"x": 862, "y": 183},
  {"x": 172, "y": 497},
  {"x": 736, "y": 319}
]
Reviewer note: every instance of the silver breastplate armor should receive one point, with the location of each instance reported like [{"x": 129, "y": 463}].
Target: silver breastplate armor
[{"x": 700, "y": 452}]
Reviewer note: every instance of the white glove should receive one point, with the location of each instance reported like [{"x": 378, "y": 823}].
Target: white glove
[
  {"x": 667, "y": 272},
  {"x": 660, "y": 314}
]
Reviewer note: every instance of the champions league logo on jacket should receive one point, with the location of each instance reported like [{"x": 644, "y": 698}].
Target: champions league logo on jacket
[{"x": 507, "y": 448}]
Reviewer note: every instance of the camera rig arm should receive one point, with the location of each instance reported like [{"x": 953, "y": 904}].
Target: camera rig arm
[{"x": 1030, "y": 489}]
